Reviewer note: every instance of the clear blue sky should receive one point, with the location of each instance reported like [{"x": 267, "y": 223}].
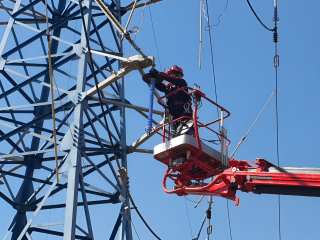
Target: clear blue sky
[{"x": 243, "y": 55}]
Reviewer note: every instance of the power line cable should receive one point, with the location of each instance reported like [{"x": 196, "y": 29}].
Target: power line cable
[
  {"x": 188, "y": 218},
  {"x": 277, "y": 120},
  {"x": 222, "y": 14},
  {"x": 135, "y": 230},
  {"x": 272, "y": 30},
  {"x": 208, "y": 28},
  {"x": 154, "y": 35},
  {"x": 105, "y": 119},
  {"x": 229, "y": 219},
  {"x": 245, "y": 136},
  {"x": 49, "y": 217},
  {"x": 276, "y": 62},
  {"x": 276, "y": 65},
  {"x": 212, "y": 62},
  {"x": 192, "y": 200},
  {"x": 215, "y": 84}
]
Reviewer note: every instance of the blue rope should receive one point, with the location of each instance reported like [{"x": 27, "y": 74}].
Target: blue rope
[{"x": 152, "y": 86}]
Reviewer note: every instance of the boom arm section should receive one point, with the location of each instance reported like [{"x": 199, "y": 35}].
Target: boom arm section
[
  {"x": 267, "y": 178},
  {"x": 264, "y": 177}
]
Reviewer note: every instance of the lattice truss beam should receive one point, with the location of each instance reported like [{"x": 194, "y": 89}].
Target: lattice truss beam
[{"x": 88, "y": 175}]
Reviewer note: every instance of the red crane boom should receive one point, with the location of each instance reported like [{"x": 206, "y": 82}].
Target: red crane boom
[{"x": 190, "y": 162}]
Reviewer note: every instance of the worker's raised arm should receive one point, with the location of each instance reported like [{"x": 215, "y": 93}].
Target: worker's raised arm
[
  {"x": 160, "y": 76},
  {"x": 174, "y": 80}
]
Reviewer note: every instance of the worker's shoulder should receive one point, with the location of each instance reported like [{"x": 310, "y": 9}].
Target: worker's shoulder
[{"x": 183, "y": 82}]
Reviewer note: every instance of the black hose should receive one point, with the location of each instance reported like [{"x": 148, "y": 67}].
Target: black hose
[{"x": 272, "y": 30}]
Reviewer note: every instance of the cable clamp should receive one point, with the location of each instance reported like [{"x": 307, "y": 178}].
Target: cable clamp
[
  {"x": 123, "y": 174},
  {"x": 125, "y": 34},
  {"x": 187, "y": 107},
  {"x": 276, "y": 61},
  {"x": 135, "y": 29}
]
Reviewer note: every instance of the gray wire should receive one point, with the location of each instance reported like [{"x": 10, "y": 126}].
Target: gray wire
[
  {"x": 135, "y": 229},
  {"x": 229, "y": 219},
  {"x": 191, "y": 200},
  {"x": 244, "y": 136},
  {"x": 154, "y": 35},
  {"x": 272, "y": 30},
  {"x": 49, "y": 216},
  {"x": 212, "y": 62},
  {"x": 277, "y": 119},
  {"x": 221, "y": 14},
  {"x": 188, "y": 218}
]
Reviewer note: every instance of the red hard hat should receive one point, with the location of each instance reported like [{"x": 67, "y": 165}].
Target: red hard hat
[{"x": 175, "y": 68}]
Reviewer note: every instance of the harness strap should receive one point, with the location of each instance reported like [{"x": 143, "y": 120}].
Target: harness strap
[{"x": 176, "y": 103}]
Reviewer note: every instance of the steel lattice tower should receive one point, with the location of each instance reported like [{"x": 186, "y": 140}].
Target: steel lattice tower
[{"x": 88, "y": 174}]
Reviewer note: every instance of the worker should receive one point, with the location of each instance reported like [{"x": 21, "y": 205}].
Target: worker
[{"x": 179, "y": 104}]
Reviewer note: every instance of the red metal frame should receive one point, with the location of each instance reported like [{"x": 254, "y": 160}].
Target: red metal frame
[
  {"x": 190, "y": 94},
  {"x": 241, "y": 175},
  {"x": 195, "y": 119},
  {"x": 195, "y": 168}
]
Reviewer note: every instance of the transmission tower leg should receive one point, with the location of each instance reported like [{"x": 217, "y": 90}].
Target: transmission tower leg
[
  {"x": 75, "y": 154},
  {"x": 125, "y": 230}
]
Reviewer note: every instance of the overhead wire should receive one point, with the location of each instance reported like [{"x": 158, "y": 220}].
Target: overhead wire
[
  {"x": 212, "y": 61},
  {"x": 154, "y": 35},
  {"x": 49, "y": 216},
  {"x": 203, "y": 222},
  {"x": 269, "y": 29},
  {"x": 135, "y": 229},
  {"x": 245, "y": 136},
  {"x": 276, "y": 62},
  {"x": 106, "y": 121},
  {"x": 276, "y": 65},
  {"x": 188, "y": 218},
  {"x": 221, "y": 14},
  {"x": 191, "y": 200},
  {"x": 278, "y": 158},
  {"x": 229, "y": 219},
  {"x": 214, "y": 77}
]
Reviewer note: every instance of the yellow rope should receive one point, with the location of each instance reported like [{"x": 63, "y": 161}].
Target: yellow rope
[{"x": 52, "y": 94}]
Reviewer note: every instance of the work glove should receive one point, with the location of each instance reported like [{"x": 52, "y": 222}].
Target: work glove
[
  {"x": 154, "y": 72},
  {"x": 147, "y": 78}
]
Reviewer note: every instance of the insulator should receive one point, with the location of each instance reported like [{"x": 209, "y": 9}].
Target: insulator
[
  {"x": 275, "y": 37},
  {"x": 275, "y": 18},
  {"x": 210, "y": 200},
  {"x": 208, "y": 212}
]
